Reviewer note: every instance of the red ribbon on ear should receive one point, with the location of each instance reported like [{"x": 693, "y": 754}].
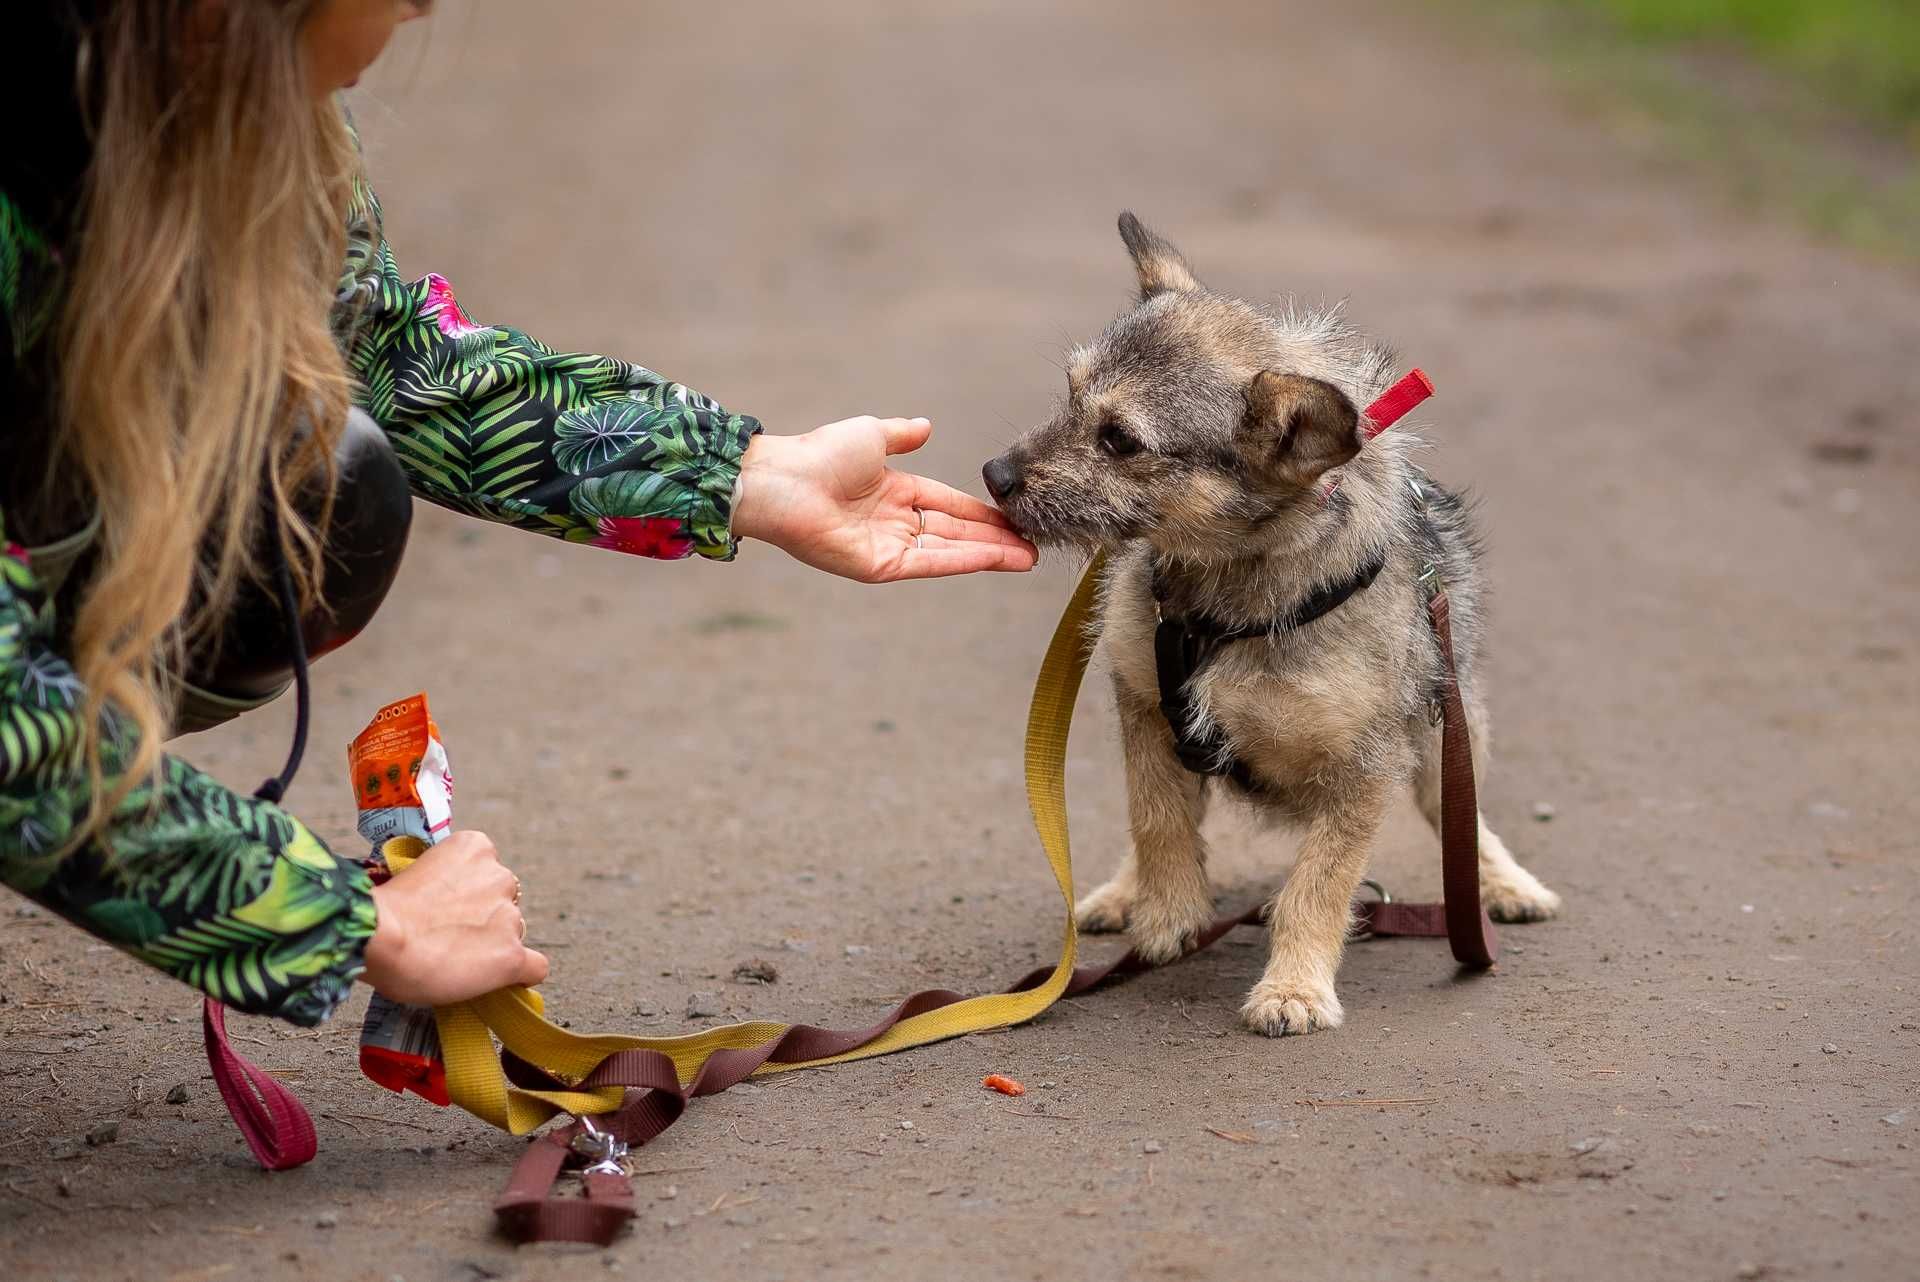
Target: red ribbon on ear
[{"x": 1396, "y": 401}]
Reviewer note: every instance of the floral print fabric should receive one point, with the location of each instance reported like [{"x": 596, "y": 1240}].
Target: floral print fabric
[{"x": 233, "y": 895}]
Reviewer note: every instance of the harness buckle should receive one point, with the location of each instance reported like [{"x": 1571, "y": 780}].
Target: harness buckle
[{"x": 604, "y": 1152}]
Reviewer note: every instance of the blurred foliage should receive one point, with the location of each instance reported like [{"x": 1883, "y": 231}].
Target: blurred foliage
[
  {"x": 1866, "y": 53},
  {"x": 1807, "y": 105}
]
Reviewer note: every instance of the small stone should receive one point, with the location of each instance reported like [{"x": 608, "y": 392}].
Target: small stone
[
  {"x": 645, "y": 1009},
  {"x": 1702, "y": 1128},
  {"x": 63, "y": 1148},
  {"x": 906, "y": 1126},
  {"x": 1829, "y": 1049},
  {"x": 702, "y": 1006},
  {"x": 26, "y": 910},
  {"x": 103, "y": 1133},
  {"x": 1896, "y": 1118},
  {"x": 326, "y": 1220},
  {"x": 673, "y": 1222},
  {"x": 1748, "y": 1272},
  {"x": 668, "y": 1193},
  {"x": 1152, "y": 1146},
  {"x": 179, "y": 1094},
  {"x": 884, "y": 727},
  {"x": 755, "y": 971},
  {"x": 1719, "y": 1195},
  {"x": 858, "y": 950},
  {"x": 927, "y": 1102},
  {"x": 1543, "y": 812},
  {"x": 1046, "y": 1086},
  {"x": 1827, "y": 810}
]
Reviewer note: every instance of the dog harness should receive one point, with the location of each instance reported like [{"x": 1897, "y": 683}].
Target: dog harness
[{"x": 1183, "y": 646}]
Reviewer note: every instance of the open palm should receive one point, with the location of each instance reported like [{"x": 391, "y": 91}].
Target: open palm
[{"x": 829, "y": 499}]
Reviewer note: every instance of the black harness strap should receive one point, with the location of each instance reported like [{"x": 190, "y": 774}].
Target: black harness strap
[{"x": 1182, "y": 648}]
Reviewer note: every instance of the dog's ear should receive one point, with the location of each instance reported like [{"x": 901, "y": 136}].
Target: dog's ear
[
  {"x": 1159, "y": 264},
  {"x": 1299, "y": 427}
]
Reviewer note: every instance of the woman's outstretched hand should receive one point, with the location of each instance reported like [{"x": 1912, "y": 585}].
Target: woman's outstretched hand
[
  {"x": 829, "y": 500},
  {"x": 449, "y": 927}
]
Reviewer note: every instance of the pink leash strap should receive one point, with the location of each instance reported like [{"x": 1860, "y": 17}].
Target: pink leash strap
[{"x": 274, "y": 1123}]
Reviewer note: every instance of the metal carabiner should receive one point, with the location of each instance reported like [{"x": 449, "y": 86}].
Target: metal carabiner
[{"x": 604, "y": 1152}]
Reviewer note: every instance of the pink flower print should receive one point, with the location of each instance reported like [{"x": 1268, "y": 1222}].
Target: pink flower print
[
  {"x": 660, "y": 537},
  {"x": 444, "y": 310}
]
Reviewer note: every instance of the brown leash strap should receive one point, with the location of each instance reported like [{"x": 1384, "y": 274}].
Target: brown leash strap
[
  {"x": 1469, "y": 929},
  {"x": 530, "y": 1209}
]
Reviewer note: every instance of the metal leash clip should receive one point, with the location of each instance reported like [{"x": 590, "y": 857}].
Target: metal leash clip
[
  {"x": 604, "y": 1152},
  {"x": 1360, "y": 929}
]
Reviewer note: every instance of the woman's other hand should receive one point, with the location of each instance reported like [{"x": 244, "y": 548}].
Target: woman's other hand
[
  {"x": 449, "y": 927},
  {"x": 829, "y": 500}
]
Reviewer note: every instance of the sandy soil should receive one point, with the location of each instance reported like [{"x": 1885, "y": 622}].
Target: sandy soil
[{"x": 1695, "y": 443}]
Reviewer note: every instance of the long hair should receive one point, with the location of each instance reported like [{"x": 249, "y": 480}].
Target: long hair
[{"x": 199, "y": 377}]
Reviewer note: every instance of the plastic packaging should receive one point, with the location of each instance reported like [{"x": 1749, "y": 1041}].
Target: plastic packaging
[{"x": 404, "y": 788}]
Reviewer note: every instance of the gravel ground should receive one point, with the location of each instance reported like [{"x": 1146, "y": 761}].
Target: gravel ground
[{"x": 1693, "y": 439}]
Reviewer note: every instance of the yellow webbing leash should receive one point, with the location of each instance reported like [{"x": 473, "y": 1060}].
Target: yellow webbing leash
[{"x": 477, "y": 1082}]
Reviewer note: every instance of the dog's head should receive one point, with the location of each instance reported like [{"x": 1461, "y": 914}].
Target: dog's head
[{"x": 1196, "y": 421}]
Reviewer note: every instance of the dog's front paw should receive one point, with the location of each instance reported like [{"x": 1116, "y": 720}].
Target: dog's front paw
[
  {"x": 1166, "y": 926},
  {"x": 1279, "y": 1007},
  {"x": 1518, "y": 896},
  {"x": 1104, "y": 910}
]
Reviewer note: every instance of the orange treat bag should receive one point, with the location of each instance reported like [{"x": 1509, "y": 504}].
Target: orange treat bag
[{"x": 404, "y": 788}]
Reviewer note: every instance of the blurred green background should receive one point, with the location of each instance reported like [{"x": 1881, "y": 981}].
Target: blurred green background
[
  {"x": 1866, "y": 53},
  {"x": 1812, "y": 105}
]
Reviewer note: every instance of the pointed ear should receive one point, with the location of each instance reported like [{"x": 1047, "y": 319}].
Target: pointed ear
[
  {"x": 1159, "y": 264},
  {"x": 1298, "y": 427}
]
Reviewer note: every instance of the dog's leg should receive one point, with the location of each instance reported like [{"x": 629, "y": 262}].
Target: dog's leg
[
  {"x": 1160, "y": 893},
  {"x": 1509, "y": 892},
  {"x": 1311, "y": 916}
]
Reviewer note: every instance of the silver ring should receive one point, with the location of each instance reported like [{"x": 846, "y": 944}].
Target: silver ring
[{"x": 923, "y": 522}]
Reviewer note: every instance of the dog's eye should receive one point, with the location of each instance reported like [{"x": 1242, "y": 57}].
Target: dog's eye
[{"x": 1117, "y": 442}]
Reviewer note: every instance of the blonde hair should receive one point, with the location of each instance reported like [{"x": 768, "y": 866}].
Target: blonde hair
[{"x": 200, "y": 378}]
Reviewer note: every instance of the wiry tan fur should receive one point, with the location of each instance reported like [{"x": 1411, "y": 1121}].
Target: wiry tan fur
[{"x": 1198, "y": 436}]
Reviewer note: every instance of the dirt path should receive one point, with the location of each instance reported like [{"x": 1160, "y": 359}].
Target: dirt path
[{"x": 1695, "y": 445}]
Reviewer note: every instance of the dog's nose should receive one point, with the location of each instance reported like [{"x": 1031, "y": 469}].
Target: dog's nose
[{"x": 1002, "y": 477}]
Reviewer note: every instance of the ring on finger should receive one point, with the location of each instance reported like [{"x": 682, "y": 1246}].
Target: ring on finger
[{"x": 516, "y": 890}]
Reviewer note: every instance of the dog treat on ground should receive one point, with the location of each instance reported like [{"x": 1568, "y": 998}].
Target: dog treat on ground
[
  {"x": 1005, "y": 1085},
  {"x": 404, "y": 788}
]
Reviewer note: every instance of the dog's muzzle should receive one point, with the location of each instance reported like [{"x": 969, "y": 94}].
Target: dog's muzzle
[{"x": 1003, "y": 478}]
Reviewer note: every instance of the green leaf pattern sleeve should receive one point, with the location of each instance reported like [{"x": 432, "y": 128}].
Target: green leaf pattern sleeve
[
  {"x": 491, "y": 422},
  {"x": 229, "y": 894}
]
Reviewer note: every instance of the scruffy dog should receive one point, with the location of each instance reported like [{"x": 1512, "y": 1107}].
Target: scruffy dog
[{"x": 1214, "y": 449}]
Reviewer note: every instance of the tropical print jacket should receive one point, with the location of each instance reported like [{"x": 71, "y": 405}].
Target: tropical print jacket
[{"x": 236, "y": 896}]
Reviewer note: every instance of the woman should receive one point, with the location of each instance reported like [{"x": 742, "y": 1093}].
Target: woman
[{"x": 184, "y": 344}]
